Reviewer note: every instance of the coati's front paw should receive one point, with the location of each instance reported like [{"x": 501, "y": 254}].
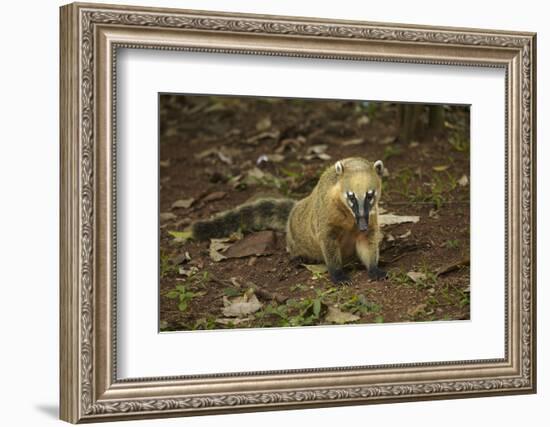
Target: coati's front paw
[
  {"x": 376, "y": 273},
  {"x": 338, "y": 277}
]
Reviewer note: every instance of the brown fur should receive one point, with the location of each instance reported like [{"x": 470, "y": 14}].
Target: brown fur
[{"x": 321, "y": 227}]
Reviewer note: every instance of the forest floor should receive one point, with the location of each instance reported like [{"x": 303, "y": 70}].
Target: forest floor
[{"x": 209, "y": 162}]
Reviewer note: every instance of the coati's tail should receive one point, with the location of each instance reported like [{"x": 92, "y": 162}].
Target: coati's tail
[{"x": 261, "y": 214}]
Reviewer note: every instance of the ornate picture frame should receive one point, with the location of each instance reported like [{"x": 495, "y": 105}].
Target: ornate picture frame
[{"x": 90, "y": 37}]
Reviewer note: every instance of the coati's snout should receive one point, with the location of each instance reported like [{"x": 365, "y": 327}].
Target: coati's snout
[
  {"x": 360, "y": 207},
  {"x": 361, "y": 189}
]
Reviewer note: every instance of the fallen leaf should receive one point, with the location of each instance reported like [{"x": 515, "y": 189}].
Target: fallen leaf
[
  {"x": 390, "y": 238},
  {"x": 363, "y": 120},
  {"x": 266, "y": 158},
  {"x": 164, "y": 163},
  {"x": 188, "y": 272},
  {"x": 317, "y": 149},
  {"x": 218, "y": 106},
  {"x": 354, "y": 141},
  {"x": 391, "y": 219},
  {"x": 419, "y": 309},
  {"x": 453, "y": 266},
  {"x": 181, "y": 236},
  {"x": 241, "y": 306},
  {"x": 233, "y": 321},
  {"x": 335, "y": 315},
  {"x": 405, "y": 235},
  {"x": 181, "y": 258},
  {"x": 224, "y": 158},
  {"x": 463, "y": 181},
  {"x": 183, "y": 203},
  {"x": 255, "y": 176},
  {"x": 206, "y": 153},
  {"x": 324, "y": 156},
  {"x": 414, "y": 144},
  {"x": 433, "y": 214},
  {"x": 217, "y": 195},
  {"x": 263, "y": 135},
  {"x": 317, "y": 152},
  {"x": 290, "y": 143},
  {"x": 217, "y": 246},
  {"x": 316, "y": 269},
  {"x": 416, "y": 277},
  {"x": 255, "y": 244},
  {"x": 167, "y": 216},
  {"x": 263, "y": 124},
  {"x": 440, "y": 168},
  {"x": 387, "y": 140},
  {"x": 275, "y": 158},
  {"x": 449, "y": 125}
]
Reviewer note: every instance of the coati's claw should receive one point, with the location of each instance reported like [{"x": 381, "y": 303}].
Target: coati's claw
[
  {"x": 338, "y": 277},
  {"x": 377, "y": 274}
]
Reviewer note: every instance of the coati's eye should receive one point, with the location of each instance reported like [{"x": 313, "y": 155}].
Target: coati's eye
[
  {"x": 351, "y": 198},
  {"x": 369, "y": 195}
]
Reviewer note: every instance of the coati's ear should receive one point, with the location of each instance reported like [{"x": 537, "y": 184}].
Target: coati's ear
[
  {"x": 379, "y": 167},
  {"x": 339, "y": 167}
]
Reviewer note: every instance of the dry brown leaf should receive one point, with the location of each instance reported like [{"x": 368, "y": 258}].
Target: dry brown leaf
[
  {"x": 363, "y": 120},
  {"x": 290, "y": 143},
  {"x": 263, "y": 124},
  {"x": 183, "y": 203},
  {"x": 391, "y": 219},
  {"x": 241, "y": 306},
  {"x": 217, "y": 246},
  {"x": 274, "y": 134},
  {"x": 167, "y": 216},
  {"x": 335, "y": 315},
  {"x": 387, "y": 140},
  {"x": 416, "y": 277},
  {"x": 463, "y": 181},
  {"x": 405, "y": 235},
  {"x": 419, "y": 309},
  {"x": 354, "y": 141},
  {"x": 255, "y": 244},
  {"x": 217, "y": 195},
  {"x": 233, "y": 320}
]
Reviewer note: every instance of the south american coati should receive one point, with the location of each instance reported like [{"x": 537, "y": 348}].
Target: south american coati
[{"x": 335, "y": 223}]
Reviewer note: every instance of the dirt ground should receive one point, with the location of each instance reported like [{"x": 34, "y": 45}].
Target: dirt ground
[{"x": 218, "y": 152}]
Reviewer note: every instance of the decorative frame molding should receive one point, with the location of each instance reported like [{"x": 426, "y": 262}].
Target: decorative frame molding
[{"x": 90, "y": 36}]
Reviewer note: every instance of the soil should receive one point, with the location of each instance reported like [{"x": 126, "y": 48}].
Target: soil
[{"x": 209, "y": 145}]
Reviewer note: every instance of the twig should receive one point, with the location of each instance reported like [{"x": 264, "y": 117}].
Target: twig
[{"x": 453, "y": 266}]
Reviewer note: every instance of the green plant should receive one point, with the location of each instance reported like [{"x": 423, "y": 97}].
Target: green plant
[
  {"x": 391, "y": 151},
  {"x": 399, "y": 277},
  {"x": 296, "y": 312},
  {"x": 452, "y": 244},
  {"x": 183, "y": 295},
  {"x": 379, "y": 319},
  {"x": 166, "y": 266},
  {"x": 459, "y": 143},
  {"x": 359, "y": 304}
]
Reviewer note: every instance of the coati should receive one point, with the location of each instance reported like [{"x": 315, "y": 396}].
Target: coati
[{"x": 337, "y": 221}]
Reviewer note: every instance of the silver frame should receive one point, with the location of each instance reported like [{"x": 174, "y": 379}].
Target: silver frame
[{"x": 90, "y": 37}]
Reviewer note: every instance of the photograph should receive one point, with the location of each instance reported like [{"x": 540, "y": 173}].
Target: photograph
[
  {"x": 265, "y": 184},
  {"x": 285, "y": 212}
]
